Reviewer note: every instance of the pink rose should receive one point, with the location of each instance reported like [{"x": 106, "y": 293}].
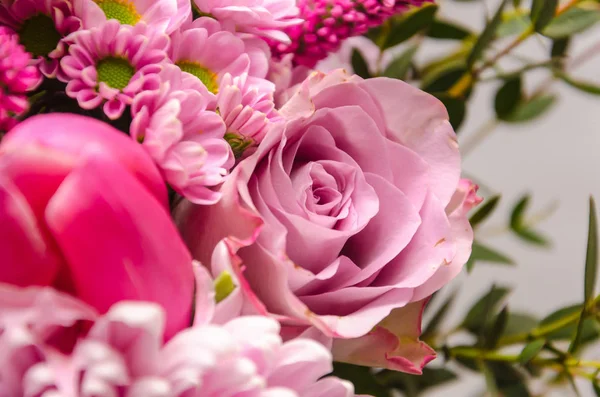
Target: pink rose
[
  {"x": 354, "y": 201},
  {"x": 84, "y": 209}
]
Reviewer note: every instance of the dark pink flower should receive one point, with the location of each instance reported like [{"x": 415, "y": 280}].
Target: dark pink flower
[{"x": 16, "y": 78}]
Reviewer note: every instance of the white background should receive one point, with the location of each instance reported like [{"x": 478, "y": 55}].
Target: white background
[{"x": 557, "y": 160}]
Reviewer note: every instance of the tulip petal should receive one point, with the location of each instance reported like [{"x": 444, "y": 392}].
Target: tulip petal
[
  {"x": 26, "y": 259},
  {"x": 135, "y": 252},
  {"x": 69, "y": 133}
]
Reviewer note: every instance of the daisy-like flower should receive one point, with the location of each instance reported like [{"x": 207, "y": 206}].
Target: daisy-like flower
[
  {"x": 261, "y": 17},
  {"x": 42, "y": 26},
  {"x": 123, "y": 353},
  {"x": 183, "y": 137},
  {"x": 326, "y": 23},
  {"x": 206, "y": 51},
  {"x": 16, "y": 78},
  {"x": 163, "y": 15},
  {"x": 247, "y": 109},
  {"x": 112, "y": 63}
]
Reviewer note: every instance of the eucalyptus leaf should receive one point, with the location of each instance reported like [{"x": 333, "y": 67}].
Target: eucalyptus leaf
[
  {"x": 438, "y": 317},
  {"x": 531, "y": 350},
  {"x": 431, "y": 377},
  {"x": 574, "y": 20},
  {"x": 531, "y": 108},
  {"x": 519, "y": 323},
  {"x": 443, "y": 77},
  {"x": 359, "y": 65},
  {"x": 410, "y": 24},
  {"x": 493, "y": 334},
  {"x": 363, "y": 379},
  {"x": 596, "y": 387},
  {"x": 514, "y": 22},
  {"x": 487, "y": 36},
  {"x": 400, "y": 66},
  {"x": 456, "y": 108},
  {"x": 447, "y": 30},
  {"x": 508, "y": 98},
  {"x": 484, "y": 253},
  {"x": 484, "y": 211},
  {"x": 542, "y": 12},
  {"x": 485, "y": 306},
  {"x": 584, "y": 86},
  {"x": 591, "y": 260}
]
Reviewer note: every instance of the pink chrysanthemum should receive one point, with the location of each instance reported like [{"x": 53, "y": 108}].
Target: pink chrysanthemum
[
  {"x": 261, "y": 17},
  {"x": 42, "y": 26},
  {"x": 163, "y": 15},
  {"x": 207, "y": 52},
  {"x": 182, "y": 136},
  {"x": 328, "y": 22},
  {"x": 16, "y": 78},
  {"x": 47, "y": 351},
  {"x": 248, "y": 110},
  {"x": 112, "y": 63}
]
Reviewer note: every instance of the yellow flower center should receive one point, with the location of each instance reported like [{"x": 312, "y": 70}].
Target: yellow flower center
[
  {"x": 123, "y": 11},
  {"x": 208, "y": 78}
]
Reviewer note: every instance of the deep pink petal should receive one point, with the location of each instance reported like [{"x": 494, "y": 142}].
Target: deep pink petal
[{"x": 135, "y": 252}]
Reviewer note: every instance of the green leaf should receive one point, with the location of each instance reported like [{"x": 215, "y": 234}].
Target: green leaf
[
  {"x": 531, "y": 108},
  {"x": 443, "y": 77},
  {"x": 438, "y": 317},
  {"x": 359, "y": 65},
  {"x": 492, "y": 335},
  {"x": 410, "y": 24},
  {"x": 542, "y": 12},
  {"x": 400, "y": 66},
  {"x": 509, "y": 381},
  {"x": 456, "y": 108},
  {"x": 486, "y": 37},
  {"x": 362, "y": 377},
  {"x": 519, "y": 323},
  {"x": 508, "y": 98},
  {"x": 559, "y": 47},
  {"x": 591, "y": 270},
  {"x": 431, "y": 377},
  {"x": 514, "y": 22},
  {"x": 591, "y": 260},
  {"x": 483, "y": 253},
  {"x": 584, "y": 86},
  {"x": 589, "y": 332},
  {"x": 596, "y": 387},
  {"x": 490, "y": 380},
  {"x": 477, "y": 317},
  {"x": 484, "y": 211},
  {"x": 517, "y": 216},
  {"x": 574, "y": 20},
  {"x": 531, "y": 350},
  {"x": 447, "y": 30}
]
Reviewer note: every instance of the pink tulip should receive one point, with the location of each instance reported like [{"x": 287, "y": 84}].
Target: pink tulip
[{"x": 84, "y": 209}]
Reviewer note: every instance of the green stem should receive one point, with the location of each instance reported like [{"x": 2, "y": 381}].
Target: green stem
[{"x": 547, "y": 329}]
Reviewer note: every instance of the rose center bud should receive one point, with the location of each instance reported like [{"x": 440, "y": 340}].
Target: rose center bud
[
  {"x": 115, "y": 72},
  {"x": 123, "y": 11},
  {"x": 207, "y": 77},
  {"x": 38, "y": 35}
]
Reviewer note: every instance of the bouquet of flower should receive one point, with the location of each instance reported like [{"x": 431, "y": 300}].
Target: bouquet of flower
[{"x": 189, "y": 208}]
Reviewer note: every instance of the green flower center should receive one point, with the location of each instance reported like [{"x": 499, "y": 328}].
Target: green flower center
[
  {"x": 115, "y": 72},
  {"x": 238, "y": 143},
  {"x": 208, "y": 78},
  {"x": 123, "y": 11},
  {"x": 39, "y": 35}
]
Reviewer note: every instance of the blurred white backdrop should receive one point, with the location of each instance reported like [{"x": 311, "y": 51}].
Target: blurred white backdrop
[{"x": 556, "y": 159}]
